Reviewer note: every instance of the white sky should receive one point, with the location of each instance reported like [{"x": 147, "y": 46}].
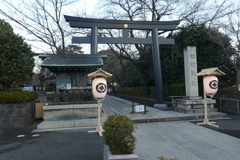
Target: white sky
[{"x": 83, "y": 6}]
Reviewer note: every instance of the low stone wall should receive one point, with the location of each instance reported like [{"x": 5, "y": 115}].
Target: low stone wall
[
  {"x": 70, "y": 112},
  {"x": 17, "y": 115}
]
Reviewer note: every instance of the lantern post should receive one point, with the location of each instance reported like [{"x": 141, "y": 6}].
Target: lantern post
[
  {"x": 210, "y": 87},
  {"x": 99, "y": 90}
]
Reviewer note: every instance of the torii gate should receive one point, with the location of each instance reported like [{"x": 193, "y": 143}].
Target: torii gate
[{"x": 94, "y": 39}]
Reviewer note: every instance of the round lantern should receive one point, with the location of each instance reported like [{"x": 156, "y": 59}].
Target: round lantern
[
  {"x": 210, "y": 84},
  {"x": 99, "y": 87}
]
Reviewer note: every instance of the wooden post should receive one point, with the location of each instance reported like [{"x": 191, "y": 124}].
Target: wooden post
[
  {"x": 206, "y": 121},
  {"x": 99, "y": 128}
]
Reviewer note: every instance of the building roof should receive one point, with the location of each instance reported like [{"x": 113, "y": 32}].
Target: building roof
[
  {"x": 44, "y": 56},
  {"x": 72, "y": 62}
]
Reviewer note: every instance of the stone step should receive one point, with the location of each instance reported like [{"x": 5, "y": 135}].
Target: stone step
[
  {"x": 53, "y": 125},
  {"x": 186, "y": 117},
  {"x": 186, "y": 110}
]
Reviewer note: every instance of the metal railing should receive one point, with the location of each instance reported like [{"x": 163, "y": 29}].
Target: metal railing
[{"x": 228, "y": 105}]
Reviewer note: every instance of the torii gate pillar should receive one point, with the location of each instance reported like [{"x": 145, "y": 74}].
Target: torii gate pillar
[{"x": 157, "y": 69}]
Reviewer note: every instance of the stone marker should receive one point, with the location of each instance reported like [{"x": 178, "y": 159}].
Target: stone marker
[
  {"x": 192, "y": 103},
  {"x": 190, "y": 65}
]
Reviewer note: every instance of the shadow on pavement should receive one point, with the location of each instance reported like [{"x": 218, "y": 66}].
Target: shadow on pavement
[{"x": 227, "y": 126}]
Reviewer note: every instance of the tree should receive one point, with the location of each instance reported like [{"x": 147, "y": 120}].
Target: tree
[
  {"x": 70, "y": 49},
  {"x": 41, "y": 18},
  {"x": 232, "y": 29},
  {"x": 209, "y": 53},
  {"x": 191, "y": 11},
  {"x": 16, "y": 57}
]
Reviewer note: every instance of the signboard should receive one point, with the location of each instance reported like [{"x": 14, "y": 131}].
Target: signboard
[
  {"x": 30, "y": 89},
  {"x": 238, "y": 87},
  {"x": 139, "y": 108},
  {"x": 69, "y": 86}
]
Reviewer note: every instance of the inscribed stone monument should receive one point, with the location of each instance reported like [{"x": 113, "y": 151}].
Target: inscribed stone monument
[{"x": 190, "y": 64}]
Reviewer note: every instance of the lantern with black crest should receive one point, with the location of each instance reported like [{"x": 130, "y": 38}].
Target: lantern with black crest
[
  {"x": 99, "y": 90},
  {"x": 210, "y": 84},
  {"x": 99, "y": 83}
]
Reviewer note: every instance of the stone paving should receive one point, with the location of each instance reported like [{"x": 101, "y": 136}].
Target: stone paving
[
  {"x": 176, "y": 138},
  {"x": 111, "y": 105},
  {"x": 184, "y": 141}
]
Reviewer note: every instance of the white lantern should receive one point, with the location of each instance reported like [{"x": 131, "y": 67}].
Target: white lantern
[
  {"x": 99, "y": 87},
  {"x": 210, "y": 84}
]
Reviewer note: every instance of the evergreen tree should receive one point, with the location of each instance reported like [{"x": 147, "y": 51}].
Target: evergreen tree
[{"x": 16, "y": 57}]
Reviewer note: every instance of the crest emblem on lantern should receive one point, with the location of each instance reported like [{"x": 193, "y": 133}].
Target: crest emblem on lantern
[
  {"x": 101, "y": 87},
  {"x": 213, "y": 84}
]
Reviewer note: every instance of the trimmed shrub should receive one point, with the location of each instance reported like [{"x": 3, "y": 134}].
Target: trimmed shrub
[
  {"x": 118, "y": 134},
  {"x": 163, "y": 158},
  {"x": 177, "y": 89},
  {"x": 17, "y": 97},
  {"x": 229, "y": 91}
]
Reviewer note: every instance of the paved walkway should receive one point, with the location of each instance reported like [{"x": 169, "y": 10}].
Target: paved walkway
[
  {"x": 113, "y": 105},
  {"x": 176, "y": 139},
  {"x": 184, "y": 141},
  {"x": 173, "y": 139}
]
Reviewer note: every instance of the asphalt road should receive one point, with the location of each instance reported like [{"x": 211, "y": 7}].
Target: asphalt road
[
  {"x": 54, "y": 145},
  {"x": 227, "y": 126}
]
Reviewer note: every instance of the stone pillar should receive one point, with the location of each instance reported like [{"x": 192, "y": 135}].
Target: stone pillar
[
  {"x": 192, "y": 103},
  {"x": 190, "y": 65}
]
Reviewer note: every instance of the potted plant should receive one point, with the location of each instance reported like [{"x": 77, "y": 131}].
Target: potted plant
[{"x": 118, "y": 137}]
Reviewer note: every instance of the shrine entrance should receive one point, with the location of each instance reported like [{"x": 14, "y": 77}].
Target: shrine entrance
[{"x": 125, "y": 26}]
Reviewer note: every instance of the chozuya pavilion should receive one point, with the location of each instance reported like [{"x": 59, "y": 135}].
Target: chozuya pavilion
[
  {"x": 72, "y": 70},
  {"x": 73, "y": 100}
]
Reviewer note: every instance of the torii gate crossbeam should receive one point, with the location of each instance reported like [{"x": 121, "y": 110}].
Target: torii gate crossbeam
[{"x": 155, "y": 40}]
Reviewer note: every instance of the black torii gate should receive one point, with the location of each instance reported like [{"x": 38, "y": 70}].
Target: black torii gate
[{"x": 94, "y": 39}]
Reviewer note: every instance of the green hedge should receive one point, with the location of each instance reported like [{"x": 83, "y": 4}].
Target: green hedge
[
  {"x": 144, "y": 92},
  {"x": 177, "y": 89},
  {"x": 229, "y": 91},
  {"x": 17, "y": 97}
]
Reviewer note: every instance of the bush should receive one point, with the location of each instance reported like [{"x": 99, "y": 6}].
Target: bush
[
  {"x": 143, "y": 92},
  {"x": 177, "y": 89},
  {"x": 118, "y": 134},
  {"x": 229, "y": 91},
  {"x": 17, "y": 97},
  {"x": 162, "y": 158}
]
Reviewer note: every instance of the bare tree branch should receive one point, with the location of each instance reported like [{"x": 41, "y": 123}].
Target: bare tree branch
[{"x": 41, "y": 18}]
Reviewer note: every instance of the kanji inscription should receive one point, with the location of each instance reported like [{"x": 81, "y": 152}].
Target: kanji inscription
[{"x": 190, "y": 64}]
